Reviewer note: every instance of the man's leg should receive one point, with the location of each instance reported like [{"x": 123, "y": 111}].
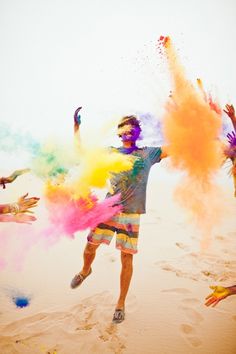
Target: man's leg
[
  {"x": 125, "y": 278},
  {"x": 89, "y": 255},
  {"x": 126, "y": 241}
]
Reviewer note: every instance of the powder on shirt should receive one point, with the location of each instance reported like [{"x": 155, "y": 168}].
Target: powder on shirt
[{"x": 132, "y": 184}]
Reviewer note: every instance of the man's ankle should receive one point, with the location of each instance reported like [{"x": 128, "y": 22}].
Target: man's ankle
[
  {"x": 85, "y": 271},
  {"x": 120, "y": 306}
]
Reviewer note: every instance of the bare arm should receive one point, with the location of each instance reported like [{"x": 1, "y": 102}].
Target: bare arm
[
  {"x": 5, "y": 208},
  {"x": 19, "y": 211},
  {"x": 12, "y": 177},
  {"x": 219, "y": 293},
  {"x": 77, "y": 122},
  {"x": 230, "y": 111},
  {"x": 23, "y": 205}
]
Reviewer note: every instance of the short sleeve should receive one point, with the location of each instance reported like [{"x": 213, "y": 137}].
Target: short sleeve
[{"x": 154, "y": 154}]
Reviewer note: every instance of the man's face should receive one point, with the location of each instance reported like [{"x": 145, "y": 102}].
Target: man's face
[{"x": 129, "y": 132}]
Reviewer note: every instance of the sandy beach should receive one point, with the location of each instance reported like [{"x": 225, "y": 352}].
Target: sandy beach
[
  {"x": 167, "y": 63},
  {"x": 165, "y": 312}
]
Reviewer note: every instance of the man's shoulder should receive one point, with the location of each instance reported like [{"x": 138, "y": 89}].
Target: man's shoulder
[
  {"x": 153, "y": 154},
  {"x": 152, "y": 149}
]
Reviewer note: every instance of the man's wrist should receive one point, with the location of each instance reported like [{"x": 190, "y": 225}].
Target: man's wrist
[
  {"x": 232, "y": 289},
  {"x": 3, "y": 182},
  {"x": 14, "y": 208}
]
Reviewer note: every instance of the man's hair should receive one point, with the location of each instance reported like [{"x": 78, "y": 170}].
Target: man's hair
[{"x": 131, "y": 120}]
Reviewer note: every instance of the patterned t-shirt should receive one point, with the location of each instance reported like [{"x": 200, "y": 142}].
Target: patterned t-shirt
[{"x": 132, "y": 184}]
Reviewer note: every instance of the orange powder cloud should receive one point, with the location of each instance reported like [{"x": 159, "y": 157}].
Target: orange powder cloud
[{"x": 191, "y": 129}]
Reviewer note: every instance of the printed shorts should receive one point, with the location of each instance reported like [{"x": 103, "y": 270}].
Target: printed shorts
[{"x": 126, "y": 227}]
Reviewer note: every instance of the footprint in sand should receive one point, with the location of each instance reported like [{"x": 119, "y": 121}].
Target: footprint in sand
[
  {"x": 193, "y": 315},
  {"x": 178, "y": 272},
  {"x": 98, "y": 320},
  {"x": 209, "y": 274},
  {"x": 194, "y": 341},
  {"x": 188, "y": 332},
  {"x": 220, "y": 238},
  {"x": 114, "y": 338},
  {"x": 228, "y": 252},
  {"x": 187, "y": 328},
  {"x": 170, "y": 268},
  {"x": 106, "y": 333},
  {"x": 91, "y": 317}
]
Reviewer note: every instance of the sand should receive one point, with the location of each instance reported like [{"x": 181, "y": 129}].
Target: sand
[{"x": 165, "y": 312}]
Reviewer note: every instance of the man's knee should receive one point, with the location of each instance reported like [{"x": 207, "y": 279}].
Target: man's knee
[
  {"x": 126, "y": 259},
  {"x": 90, "y": 248}
]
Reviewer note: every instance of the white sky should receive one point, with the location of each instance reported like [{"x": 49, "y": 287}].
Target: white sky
[{"x": 59, "y": 54}]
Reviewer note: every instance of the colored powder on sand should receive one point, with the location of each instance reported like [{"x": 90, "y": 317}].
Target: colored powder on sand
[
  {"x": 191, "y": 129},
  {"x": 19, "y": 298},
  {"x": 21, "y": 301}
]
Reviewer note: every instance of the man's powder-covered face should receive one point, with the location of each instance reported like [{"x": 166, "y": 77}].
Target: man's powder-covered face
[{"x": 129, "y": 132}]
